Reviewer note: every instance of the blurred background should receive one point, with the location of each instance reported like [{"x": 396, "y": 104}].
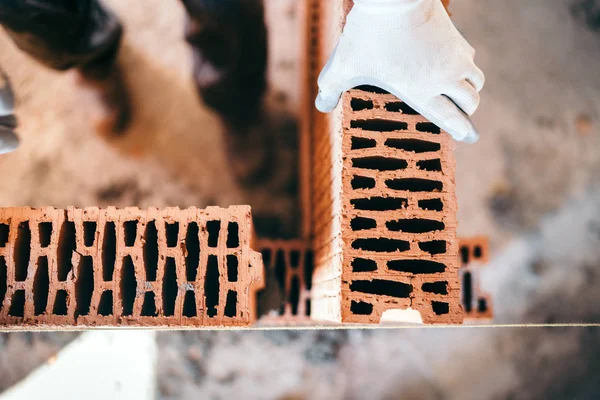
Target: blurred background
[{"x": 532, "y": 185}]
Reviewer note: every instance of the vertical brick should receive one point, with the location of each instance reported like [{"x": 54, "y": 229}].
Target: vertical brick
[{"x": 374, "y": 151}]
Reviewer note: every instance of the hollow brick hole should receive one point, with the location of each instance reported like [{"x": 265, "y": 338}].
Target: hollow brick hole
[
  {"x": 294, "y": 296},
  {"x": 431, "y": 204},
  {"x": 60, "y": 303},
  {"x": 211, "y": 286},
  {"x": 130, "y": 231},
  {"x": 379, "y": 163},
  {"x": 109, "y": 251},
  {"x": 433, "y": 247},
  {"x": 415, "y": 225},
  {"x": 428, "y": 127},
  {"x": 416, "y": 266},
  {"x": 435, "y": 287},
  {"x": 3, "y": 280},
  {"x": 414, "y": 185},
  {"x": 467, "y": 290},
  {"x": 151, "y": 251},
  {"x": 413, "y": 145},
  {"x": 232, "y": 268},
  {"x": 149, "y": 305},
  {"x": 440, "y": 308},
  {"x": 362, "y": 182},
  {"x": 379, "y": 125},
  {"x": 379, "y": 203},
  {"x": 482, "y": 305},
  {"x": 169, "y": 288},
  {"x": 41, "y": 286},
  {"x": 66, "y": 247},
  {"x": 231, "y": 304},
  {"x": 434, "y": 165},
  {"x": 362, "y": 223},
  {"x": 382, "y": 287},
  {"x": 381, "y": 245},
  {"x": 22, "y": 251},
  {"x": 4, "y": 233},
  {"x": 89, "y": 232},
  {"x": 361, "y": 308},
  {"x": 172, "y": 233},
  {"x": 358, "y": 143},
  {"x": 45, "y": 232},
  {"x": 189, "y": 304},
  {"x": 128, "y": 285},
  {"x": 105, "y": 306},
  {"x": 233, "y": 235},
  {"x": 360, "y": 104},
  {"x": 363, "y": 265},
  {"x": 84, "y": 285},
  {"x": 17, "y": 305},
  {"x": 192, "y": 245},
  {"x": 213, "y": 228}
]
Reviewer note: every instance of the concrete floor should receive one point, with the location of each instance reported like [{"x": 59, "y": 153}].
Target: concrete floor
[{"x": 532, "y": 184}]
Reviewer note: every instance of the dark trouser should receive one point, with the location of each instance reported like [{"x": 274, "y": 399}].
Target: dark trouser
[{"x": 228, "y": 40}]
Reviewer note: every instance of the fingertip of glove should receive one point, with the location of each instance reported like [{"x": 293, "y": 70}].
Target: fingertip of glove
[
  {"x": 471, "y": 138},
  {"x": 323, "y": 105}
]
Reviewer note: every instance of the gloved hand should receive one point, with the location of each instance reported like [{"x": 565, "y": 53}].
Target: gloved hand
[
  {"x": 411, "y": 49},
  {"x": 8, "y": 139}
]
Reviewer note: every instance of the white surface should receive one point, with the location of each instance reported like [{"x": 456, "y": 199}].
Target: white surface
[{"x": 98, "y": 365}]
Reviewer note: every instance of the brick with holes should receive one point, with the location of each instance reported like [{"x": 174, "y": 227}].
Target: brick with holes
[
  {"x": 474, "y": 255},
  {"x": 90, "y": 267},
  {"x": 381, "y": 208},
  {"x": 288, "y": 276}
]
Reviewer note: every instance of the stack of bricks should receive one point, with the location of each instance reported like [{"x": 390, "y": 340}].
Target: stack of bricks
[
  {"x": 382, "y": 207},
  {"x": 474, "y": 255},
  {"x": 127, "y": 267},
  {"x": 288, "y": 273}
]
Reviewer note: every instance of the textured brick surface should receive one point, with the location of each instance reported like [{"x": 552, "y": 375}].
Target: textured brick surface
[
  {"x": 127, "y": 267},
  {"x": 383, "y": 207},
  {"x": 474, "y": 255},
  {"x": 399, "y": 212},
  {"x": 288, "y": 271}
]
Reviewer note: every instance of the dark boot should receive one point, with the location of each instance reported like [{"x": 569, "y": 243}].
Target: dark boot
[
  {"x": 229, "y": 48},
  {"x": 82, "y": 34}
]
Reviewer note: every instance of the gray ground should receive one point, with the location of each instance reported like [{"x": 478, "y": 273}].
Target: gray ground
[{"x": 531, "y": 184}]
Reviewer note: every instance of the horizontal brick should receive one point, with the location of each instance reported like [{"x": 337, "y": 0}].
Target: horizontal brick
[{"x": 127, "y": 267}]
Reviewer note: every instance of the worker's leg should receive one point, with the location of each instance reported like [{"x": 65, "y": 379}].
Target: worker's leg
[
  {"x": 229, "y": 45},
  {"x": 82, "y": 34}
]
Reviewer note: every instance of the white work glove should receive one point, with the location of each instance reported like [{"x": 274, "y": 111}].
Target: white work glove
[
  {"x": 411, "y": 49},
  {"x": 8, "y": 122}
]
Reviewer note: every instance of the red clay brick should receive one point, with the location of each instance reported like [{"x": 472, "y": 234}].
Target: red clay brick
[
  {"x": 474, "y": 255},
  {"x": 370, "y": 153},
  {"x": 288, "y": 268},
  {"x": 127, "y": 267}
]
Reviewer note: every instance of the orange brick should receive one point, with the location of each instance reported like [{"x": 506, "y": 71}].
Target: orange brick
[
  {"x": 127, "y": 267},
  {"x": 372, "y": 152}
]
